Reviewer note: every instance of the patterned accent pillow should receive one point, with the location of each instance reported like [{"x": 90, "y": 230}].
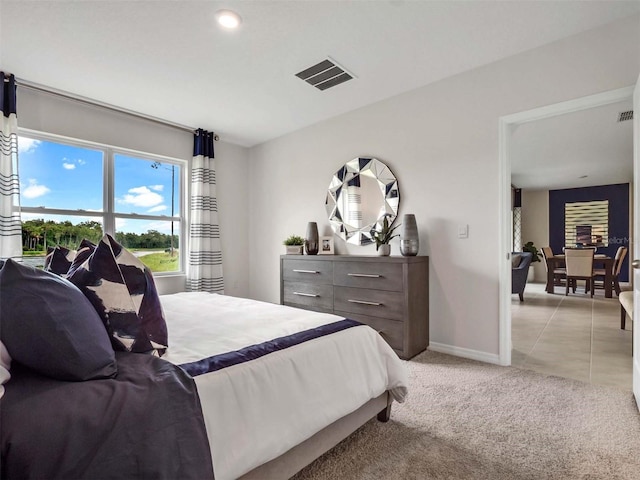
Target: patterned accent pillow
[
  {"x": 58, "y": 260},
  {"x": 49, "y": 326},
  {"x": 85, "y": 249},
  {"x": 122, "y": 290},
  {"x": 5, "y": 367}
]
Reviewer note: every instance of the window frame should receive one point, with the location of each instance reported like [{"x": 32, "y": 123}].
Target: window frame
[{"x": 108, "y": 214}]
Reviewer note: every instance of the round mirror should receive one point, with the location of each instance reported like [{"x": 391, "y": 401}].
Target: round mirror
[{"x": 360, "y": 195}]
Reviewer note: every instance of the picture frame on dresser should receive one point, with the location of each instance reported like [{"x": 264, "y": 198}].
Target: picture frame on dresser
[{"x": 326, "y": 246}]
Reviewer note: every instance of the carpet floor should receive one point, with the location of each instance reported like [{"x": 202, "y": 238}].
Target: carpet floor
[{"x": 471, "y": 420}]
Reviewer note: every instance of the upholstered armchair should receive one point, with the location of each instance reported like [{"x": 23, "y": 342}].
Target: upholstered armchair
[{"x": 520, "y": 262}]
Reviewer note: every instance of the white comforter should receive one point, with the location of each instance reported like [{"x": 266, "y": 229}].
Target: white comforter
[{"x": 257, "y": 410}]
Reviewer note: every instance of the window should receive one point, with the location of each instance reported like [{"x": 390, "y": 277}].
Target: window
[
  {"x": 586, "y": 223},
  {"x": 71, "y": 190}
]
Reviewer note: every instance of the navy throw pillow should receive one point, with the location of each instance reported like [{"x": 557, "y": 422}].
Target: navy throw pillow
[
  {"x": 122, "y": 290},
  {"x": 48, "y": 325}
]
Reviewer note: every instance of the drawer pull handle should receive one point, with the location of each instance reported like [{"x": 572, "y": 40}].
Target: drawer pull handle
[
  {"x": 366, "y": 275},
  {"x": 306, "y": 294},
  {"x": 306, "y": 271},
  {"x": 375, "y": 304}
]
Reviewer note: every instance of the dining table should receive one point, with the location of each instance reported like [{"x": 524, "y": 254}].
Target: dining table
[{"x": 602, "y": 261}]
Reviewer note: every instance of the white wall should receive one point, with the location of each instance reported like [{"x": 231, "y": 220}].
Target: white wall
[
  {"x": 47, "y": 113},
  {"x": 441, "y": 141},
  {"x": 535, "y": 225}
]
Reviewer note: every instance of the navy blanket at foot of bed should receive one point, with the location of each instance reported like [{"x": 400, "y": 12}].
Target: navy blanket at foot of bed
[
  {"x": 146, "y": 423},
  {"x": 218, "y": 362}
]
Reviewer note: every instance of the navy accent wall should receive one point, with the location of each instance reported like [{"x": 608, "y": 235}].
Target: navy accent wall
[{"x": 618, "y": 196}]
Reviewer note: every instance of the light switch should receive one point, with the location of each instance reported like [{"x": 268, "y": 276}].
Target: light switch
[{"x": 463, "y": 231}]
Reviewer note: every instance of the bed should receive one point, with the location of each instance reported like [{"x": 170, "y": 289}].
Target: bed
[
  {"x": 282, "y": 399},
  {"x": 246, "y": 389}
]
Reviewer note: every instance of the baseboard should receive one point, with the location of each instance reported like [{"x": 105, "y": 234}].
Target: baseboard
[{"x": 465, "y": 353}]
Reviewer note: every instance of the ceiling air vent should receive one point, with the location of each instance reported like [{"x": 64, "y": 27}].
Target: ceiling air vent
[
  {"x": 325, "y": 74},
  {"x": 624, "y": 116}
]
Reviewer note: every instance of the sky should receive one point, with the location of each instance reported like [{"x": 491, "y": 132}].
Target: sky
[{"x": 55, "y": 175}]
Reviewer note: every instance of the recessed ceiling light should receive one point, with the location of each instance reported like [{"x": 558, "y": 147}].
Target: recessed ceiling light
[{"x": 228, "y": 19}]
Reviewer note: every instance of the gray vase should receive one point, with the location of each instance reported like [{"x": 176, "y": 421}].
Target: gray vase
[
  {"x": 311, "y": 240},
  {"x": 409, "y": 240}
]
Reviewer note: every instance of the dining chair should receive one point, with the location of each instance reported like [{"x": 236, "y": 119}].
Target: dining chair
[
  {"x": 579, "y": 265},
  {"x": 559, "y": 274},
  {"x": 621, "y": 253}
]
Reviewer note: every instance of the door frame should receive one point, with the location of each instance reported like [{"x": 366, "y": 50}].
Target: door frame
[{"x": 506, "y": 125}]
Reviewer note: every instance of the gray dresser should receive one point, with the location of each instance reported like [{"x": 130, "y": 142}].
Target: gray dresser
[{"x": 391, "y": 294}]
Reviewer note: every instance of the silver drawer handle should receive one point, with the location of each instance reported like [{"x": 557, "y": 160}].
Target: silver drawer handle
[
  {"x": 367, "y": 275},
  {"x": 375, "y": 304},
  {"x": 305, "y": 271},
  {"x": 306, "y": 294}
]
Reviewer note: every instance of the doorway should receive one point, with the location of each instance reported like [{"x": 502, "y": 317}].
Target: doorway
[{"x": 507, "y": 124}]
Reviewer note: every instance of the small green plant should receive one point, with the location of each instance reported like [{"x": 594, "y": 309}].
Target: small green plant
[
  {"x": 530, "y": 247},
  {"x": 294, "y": 240},
  {"x": 385, "y": 234}
]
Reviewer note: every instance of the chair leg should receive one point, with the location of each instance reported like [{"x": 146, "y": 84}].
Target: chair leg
[
  {"x": 574, "y": 284},
  {"x": 616, "y": 286},
  {"x": 521, "y": 296},
  {"x": 623, "y": 317},
  {"x": 591, "y": 286},
  {"x": 566, "y": 288}
]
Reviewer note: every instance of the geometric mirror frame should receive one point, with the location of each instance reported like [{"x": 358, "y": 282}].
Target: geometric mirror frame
[{"x": 360, "y": 195}]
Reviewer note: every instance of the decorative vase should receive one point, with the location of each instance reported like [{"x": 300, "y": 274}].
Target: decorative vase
[
  {"x": 384, "y": 250},
  {"x": 409, "y": 240},
  {"x": 311, "y": 240}
]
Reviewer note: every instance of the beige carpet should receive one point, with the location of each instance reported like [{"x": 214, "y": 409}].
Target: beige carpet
[{"x": 471, "y": 420}]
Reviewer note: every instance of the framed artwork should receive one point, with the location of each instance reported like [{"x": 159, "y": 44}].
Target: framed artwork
[{"x": 326, "y": 246}]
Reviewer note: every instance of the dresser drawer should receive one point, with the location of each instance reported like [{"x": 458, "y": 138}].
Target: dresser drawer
[
  {"x": 379, "y": 276},
  {"x": 309, "y": 295},
  {"x": 308, "y": 271},
  {"x": 375, "y": 303},
  {"x": 391, "y": 330}
]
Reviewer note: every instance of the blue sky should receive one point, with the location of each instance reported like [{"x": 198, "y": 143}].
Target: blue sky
[{"x": 61, "y": 176}]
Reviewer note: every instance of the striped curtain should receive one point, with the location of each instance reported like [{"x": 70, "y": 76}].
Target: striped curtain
[
  {"x": 10, "y": 225},
  {"x": 205, "y": 256}
]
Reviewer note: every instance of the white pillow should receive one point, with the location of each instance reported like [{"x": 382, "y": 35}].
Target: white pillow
[{"x": 5, "y": 367}]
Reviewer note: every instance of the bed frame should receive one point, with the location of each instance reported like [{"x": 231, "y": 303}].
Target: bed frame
[{"x": 291, "y": 462}]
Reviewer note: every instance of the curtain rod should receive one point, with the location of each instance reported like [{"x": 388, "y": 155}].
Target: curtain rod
[{"x": 96, "y": 103}]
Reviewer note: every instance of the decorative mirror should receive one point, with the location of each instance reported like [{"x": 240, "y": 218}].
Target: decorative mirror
[{"x": 360, "y": 195}]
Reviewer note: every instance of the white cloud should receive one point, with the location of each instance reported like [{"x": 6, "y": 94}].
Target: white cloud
[
  {"x": 68, "y": 166},
  {"x": 81, "y": 161},
  {"x": 27, "y": 145},
  {"x": 141, "y": 197},
  {"x": 157, "y": 188},
  {"x": 159, "y": 208},
  {"x": 34, "y": 190}
]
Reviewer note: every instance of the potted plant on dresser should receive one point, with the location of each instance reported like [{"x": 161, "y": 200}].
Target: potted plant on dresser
[
  {"x": 294, "y": 245},
  {"x": 383, "y": 236}
]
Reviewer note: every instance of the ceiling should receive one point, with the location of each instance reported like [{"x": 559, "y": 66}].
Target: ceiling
[
  {"x": 579, "y": 149},
  {"x": 170, "y": 60}
]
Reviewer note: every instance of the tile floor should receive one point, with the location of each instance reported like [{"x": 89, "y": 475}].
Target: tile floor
[{"x": 571, "y": 336}]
